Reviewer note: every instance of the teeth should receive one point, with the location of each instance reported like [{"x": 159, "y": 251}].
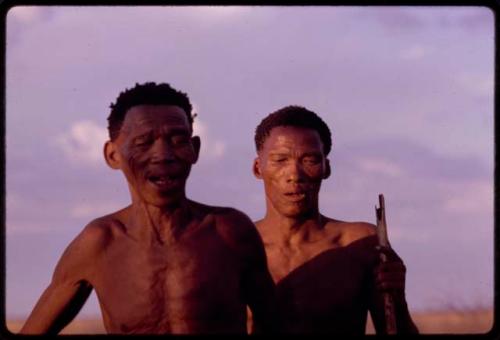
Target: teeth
[{"x": 160, "y": 180}]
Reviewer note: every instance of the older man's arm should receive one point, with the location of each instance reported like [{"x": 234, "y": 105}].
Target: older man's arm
[
  {"x": 69, "y": 289},
  {"x": 257, "y": 284}
]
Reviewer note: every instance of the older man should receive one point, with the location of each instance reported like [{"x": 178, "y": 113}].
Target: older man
[{"x": 163, "y": 264}]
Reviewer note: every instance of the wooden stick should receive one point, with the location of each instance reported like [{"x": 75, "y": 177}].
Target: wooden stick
[{"x": 390, "y": 316}]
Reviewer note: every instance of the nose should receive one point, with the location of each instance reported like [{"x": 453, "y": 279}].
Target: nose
[
  {"x": 295, "y": 173},
  {"x": 162, "y": 151}
]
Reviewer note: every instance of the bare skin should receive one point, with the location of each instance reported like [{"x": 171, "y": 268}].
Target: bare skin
[
  {"x": 164, "y": 264},
  {"x": 327, "y": 271}
]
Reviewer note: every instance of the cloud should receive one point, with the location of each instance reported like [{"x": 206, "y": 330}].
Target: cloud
[
  {"x": 380, "y": 166},
  {"x": 414, "y": 52},
  {"x": 28, "y": 227},
  {"x": 83, "y": 143},
  {"x": 399, "y": 18},
  {"x": 473, "y": 197},
  {"x": 469, "y": 18},
  {"x": 414, "y": 159},
  {"x": 210, "y": 148},
  {"x": 477, "y": 84},
  {"x": 477, "y": 18},
  {"x": 94, "y": 209}
]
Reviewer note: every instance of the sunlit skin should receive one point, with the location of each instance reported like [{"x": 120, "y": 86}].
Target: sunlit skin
[
  {"x": 164, "y": 264},
  {"x": 327, "y": 271}
]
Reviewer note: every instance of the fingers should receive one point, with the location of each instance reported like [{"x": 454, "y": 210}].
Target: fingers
[
  {"x": 391, "y": 267},
  {"x": 390, "y": 276},
  {"x": 389, "y": 253}
]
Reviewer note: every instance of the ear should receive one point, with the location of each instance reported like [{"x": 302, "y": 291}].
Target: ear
[
  {"x": 328, "y": 169},
  {"x": 111, "y": 155},
  {"x": 196, "y": 142},
  {"x": 256, "y": 168}
]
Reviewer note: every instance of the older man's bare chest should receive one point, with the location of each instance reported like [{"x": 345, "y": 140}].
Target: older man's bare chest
[{"x": 184, "y": 287}]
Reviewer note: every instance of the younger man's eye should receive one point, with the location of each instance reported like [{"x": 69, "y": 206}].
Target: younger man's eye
[{"x": 311, "y": 160}]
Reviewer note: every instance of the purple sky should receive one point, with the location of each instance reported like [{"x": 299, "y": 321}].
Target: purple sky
[{"x": 407, "y": 92}]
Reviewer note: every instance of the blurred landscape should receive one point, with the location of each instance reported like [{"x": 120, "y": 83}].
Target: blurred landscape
[
  {"x": 471, "y": 321},
  {"x": 453, "y": 321}
]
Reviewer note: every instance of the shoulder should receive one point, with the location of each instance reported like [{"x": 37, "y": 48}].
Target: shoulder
[
  {"x": 236, "y": 229},
  {"x": 98, "y": 233},
  {"x": 81, "y": 255},
  {"x": 234, "y": 222},
  {"x": 224, "y": 217},
  {"x": 349, "y": 232},
  {"x": 230, "y": 216}
]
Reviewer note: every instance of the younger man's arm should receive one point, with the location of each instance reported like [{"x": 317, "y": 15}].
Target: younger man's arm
[{"x": 390, "y": 277}]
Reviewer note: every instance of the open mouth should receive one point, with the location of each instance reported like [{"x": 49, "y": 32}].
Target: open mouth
[
  {"x": 163, "y": 181},
  {"x": 296, "y": 196}
]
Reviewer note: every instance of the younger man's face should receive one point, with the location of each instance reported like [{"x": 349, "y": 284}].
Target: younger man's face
[
  {"x": 155, "y": 151},
  {"x": 292, "y": 165}
]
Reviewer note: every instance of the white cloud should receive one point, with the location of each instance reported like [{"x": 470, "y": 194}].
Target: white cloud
[
  {"x": 409, "y": 233},
  {"x": 380, "y": 166},
  {"x": 477, "y": 84},
  {"x": 83, "y": 143},
  {"x": 472, "y": 197},
  {"x": 415, "y": 52},
  {"x": 18, "y": 227},
  {"x": 210, "y": 148},
  {"x": 94, "y": 209}
]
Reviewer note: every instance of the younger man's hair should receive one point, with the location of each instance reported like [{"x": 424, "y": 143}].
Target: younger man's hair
[
  {"x": 296, "y": 116},
  {"x": 148, "y": 93}
]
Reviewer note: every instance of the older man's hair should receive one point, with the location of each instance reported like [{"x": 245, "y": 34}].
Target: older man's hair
[
  {"x": 296, "y": 116},
  {"x": 148, "y": 93}
]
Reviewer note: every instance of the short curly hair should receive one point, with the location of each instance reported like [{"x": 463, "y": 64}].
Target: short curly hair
[
  {"x": 296, "y": 116},
  {"x": 148, "y": 93}
]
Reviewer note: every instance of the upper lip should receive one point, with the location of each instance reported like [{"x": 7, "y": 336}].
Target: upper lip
[
  {"x": 162, "y": 173},
  {"x": 297, "y": 191}
]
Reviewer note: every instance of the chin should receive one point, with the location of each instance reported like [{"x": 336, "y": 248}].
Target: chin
[
  {"x": 294, "y": 213},
  {"x": 297, "y": 212},
  {"x": 159, "y": 201}
]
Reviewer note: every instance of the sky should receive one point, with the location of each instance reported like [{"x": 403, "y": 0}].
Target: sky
[{"x": 407, "y": 93}]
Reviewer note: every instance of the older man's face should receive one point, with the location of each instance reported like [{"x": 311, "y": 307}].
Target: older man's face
[{"x": 156, "y": 152}]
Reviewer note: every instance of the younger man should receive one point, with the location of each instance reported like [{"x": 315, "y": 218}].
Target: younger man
[{"x": 327, "y": 271}]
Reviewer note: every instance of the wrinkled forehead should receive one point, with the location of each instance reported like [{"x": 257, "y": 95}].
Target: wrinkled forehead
[
  {"x": 292, "y": 137},
  {"x": 147, "y": 117}
]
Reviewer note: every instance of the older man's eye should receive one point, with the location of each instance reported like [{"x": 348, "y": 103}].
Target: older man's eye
[
  {"x": 142, "y": 141},
  {"x": 279, "y": 160},
  {"x": 180, "y": 140}
]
